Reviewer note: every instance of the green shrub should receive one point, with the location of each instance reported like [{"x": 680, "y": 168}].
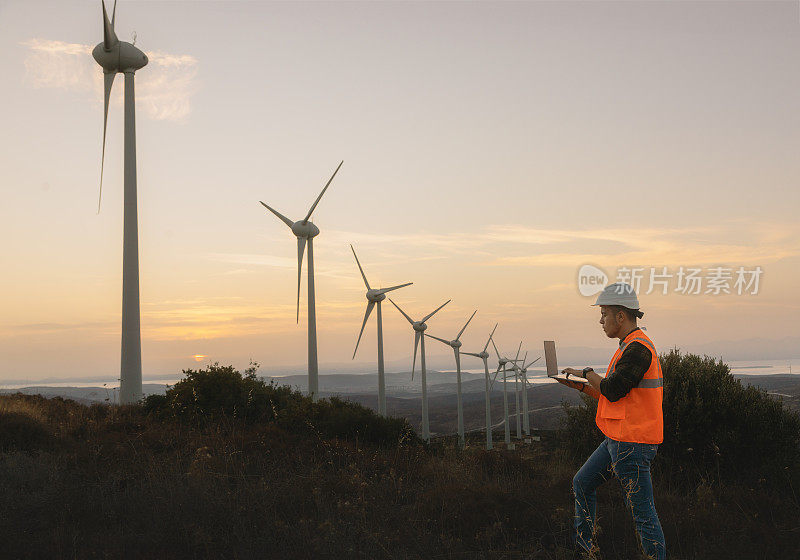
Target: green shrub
[
  {"x": 335, "y": 417},
  {"x": 715, "y": 429},
  {"x": 223, "y": 392}
]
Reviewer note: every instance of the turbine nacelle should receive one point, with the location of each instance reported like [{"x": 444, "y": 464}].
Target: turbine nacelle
[
  {"x": 122, "y": 57},
  {"x": 483, "y": 355},
  {"x": 455, "y": 343},
  {"x": 375, "y": 296},
  {"x": 306, "y": 230},
  {"x": 419, "y": 326}
]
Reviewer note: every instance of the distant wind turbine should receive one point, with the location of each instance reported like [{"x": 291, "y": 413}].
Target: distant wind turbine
[
  {"x": 455, "y": 344},
  {"x": 306, "y": 231},
  {"x": 501, "y": 369},
  {"x": 419, "y": 329},
  {"x": 374, "y": 298},
  {"x": 523, "y": 372},
  {"x": 517, "y": 414},
  {"x": 116, "y": 56},
  {"x": 484, "y": 355}
]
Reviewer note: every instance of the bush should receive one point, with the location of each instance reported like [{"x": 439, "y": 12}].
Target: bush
[
  {"x": 715, "y": 429},
  {"x": 223, "y": 392},
  {"x": 343, "y": 419},
  {"x": 22, "y": 432}
]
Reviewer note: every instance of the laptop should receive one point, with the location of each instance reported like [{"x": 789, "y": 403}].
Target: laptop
[{"x": 552, "y": 363}]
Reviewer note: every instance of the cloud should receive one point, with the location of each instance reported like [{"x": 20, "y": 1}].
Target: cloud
[
  {"x": 517, "y": 245},
  {"x": 164, "y": 90}
]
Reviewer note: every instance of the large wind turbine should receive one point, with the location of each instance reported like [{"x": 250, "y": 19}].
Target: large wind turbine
[
  {"x": 374, "y": 298},
  {"x": 117, "y": 56},
  {"x": 455, "y": 344},
  {"x": 306, "y": 231},
  {"x": 419, "y": 329},
  {"x": 484, "y": 355}
]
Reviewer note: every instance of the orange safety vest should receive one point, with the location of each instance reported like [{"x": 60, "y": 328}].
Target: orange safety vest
[{"x": 636, "y": 417}]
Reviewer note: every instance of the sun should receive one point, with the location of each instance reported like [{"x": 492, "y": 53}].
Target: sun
[{"x": 199, "y": 357}]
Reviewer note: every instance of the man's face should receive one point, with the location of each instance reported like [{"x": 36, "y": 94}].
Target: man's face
[{"x": 609, "y": 321}]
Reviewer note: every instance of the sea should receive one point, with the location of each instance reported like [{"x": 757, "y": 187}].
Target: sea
[{"x": 535, "y": 375}]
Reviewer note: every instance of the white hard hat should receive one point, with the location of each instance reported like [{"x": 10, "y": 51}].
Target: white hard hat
[{"x": 618, "y": 293}]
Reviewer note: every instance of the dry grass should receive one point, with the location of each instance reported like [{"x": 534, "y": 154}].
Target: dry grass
[{"x": 111, "y": 482}]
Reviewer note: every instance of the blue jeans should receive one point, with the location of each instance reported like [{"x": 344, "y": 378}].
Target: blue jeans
[{"x": 630, "y": 463}]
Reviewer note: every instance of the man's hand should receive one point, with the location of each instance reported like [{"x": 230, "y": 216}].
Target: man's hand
[
  {"x": 580, "y": 386},
  {"x": 572, "y": 384},
  {"x": 572, "y": 371}
]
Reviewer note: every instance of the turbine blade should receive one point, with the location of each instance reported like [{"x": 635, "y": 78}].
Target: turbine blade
[
  {"x": 384, "y": 290},
  {"x": 496, "y": 351},
  {"x": 370, "y": 305},
  {"x": 525, "y": 358},
  {"x": 410, "y": 320},
  {"x": 114, "y": 14},
  {"x": 301, "y": 247},
  {"x": 414, "y": 362},
  {"x": 516, "y": 358},
  {"x": 490, "y": 337},
  {"x": 359, "y": 268},
  {"x": 109, "y": 37},
  {"x": 533, "y": 362},
  {"x": 465, "y": 326},
  {"x": 283, "y": 218},
  {"x": 437, "y": 309},
  {"x": 470, "y": 354},
  {"x": 325, "y": 188},
  {"x": 496, "y": 373},
  {"x": 439, "y": 339},
  {"x": 108, "y": 81}
]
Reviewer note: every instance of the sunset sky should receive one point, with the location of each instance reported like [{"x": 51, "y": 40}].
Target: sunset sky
[{"x": 490, "y": 150}]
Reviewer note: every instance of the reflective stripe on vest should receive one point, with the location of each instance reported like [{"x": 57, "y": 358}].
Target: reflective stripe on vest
[{"x": 636, "y": 417}]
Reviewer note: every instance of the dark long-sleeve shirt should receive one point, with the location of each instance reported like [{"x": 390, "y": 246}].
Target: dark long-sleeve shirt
[{"x": 628, "y": 372}]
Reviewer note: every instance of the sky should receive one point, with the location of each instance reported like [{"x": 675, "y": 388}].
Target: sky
[{"x": 491, "y": 149}]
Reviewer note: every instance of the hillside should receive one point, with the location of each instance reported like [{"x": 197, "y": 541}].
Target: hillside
[{"x": 154, "y": 482}]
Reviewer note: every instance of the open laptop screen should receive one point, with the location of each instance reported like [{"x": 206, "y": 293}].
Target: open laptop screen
[{"x": 550, "y": 358}]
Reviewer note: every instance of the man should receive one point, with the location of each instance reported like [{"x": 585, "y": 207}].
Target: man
[{"x": 629, "y": 415}]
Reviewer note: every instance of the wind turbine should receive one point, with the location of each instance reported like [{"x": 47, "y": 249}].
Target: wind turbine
[
  {"x": 501, "y": 367},
  {"x": 306, "y": 231},
  {"x": 116, "y": 56},
  {"x": 484, "y": 355},
  {"x": 374, "y": 298},
  {"x": 526, "y": 423},
  {"x": 456, "y": 346},
  {"x": 419, "y": 329}
]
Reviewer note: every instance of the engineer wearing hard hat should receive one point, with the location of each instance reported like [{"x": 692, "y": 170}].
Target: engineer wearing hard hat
[{"x": 629, "y": 415}]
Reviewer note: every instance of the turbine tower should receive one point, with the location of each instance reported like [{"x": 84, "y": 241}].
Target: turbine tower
[
  {"x": 501, "y": 368},
  {"x": 484, "y": 355},
  {"x": 116, "y": 56},
  {"x": 374, "y": 298},
  {"x": 306, "y": 231},
  {"x": 517, "y": 407},
  {"x": 419, "y": 329},
  {"x": 456, "y": 346},
  {"x": 523, "y": 372}
]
